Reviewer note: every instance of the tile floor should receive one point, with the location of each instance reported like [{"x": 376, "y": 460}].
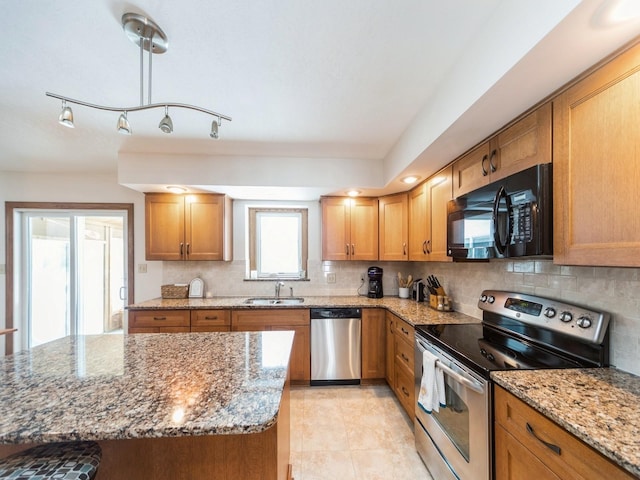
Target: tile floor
[{"x": 352, "y": 433}]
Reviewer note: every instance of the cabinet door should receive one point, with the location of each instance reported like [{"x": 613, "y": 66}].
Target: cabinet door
[
  {"x": 210, "y": 320},
  {"x": 364, "y": 229},
  {"x": 419, "y": 227},
  {"x": 393, "y": 227},
  {"x": 596, "y": 150},
  {"x": 390, "y": 353},
  {"x": 164, "y": 226},
  {"x": 472, "y": 170},
  {"x": 522, "y": 145},
  {"x": 373, "y": 343},
  {"x": 515, "y": 462},
  {"x": 204, "y": 227},
  {"x": 336, "y": 229},
  {"x": 300, "y": 363},
  {"x": 439, "y": 194},
  {"x": 158, "y": 319}
]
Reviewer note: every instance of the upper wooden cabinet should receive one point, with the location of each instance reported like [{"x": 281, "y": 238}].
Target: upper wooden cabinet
[
  {"x": 188, "y": 227},
  {"x": 349, "y": 228},
  {"x": 596, "y": 149},
  {"x": 393, "y": 227},
  {"x": 518, "y": 147},
  {"x": 428, "y": 218}
]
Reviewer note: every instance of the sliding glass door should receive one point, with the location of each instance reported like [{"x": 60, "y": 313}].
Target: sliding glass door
[{"x": 72, "y": 273}]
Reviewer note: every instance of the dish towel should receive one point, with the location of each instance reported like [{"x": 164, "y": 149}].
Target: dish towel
[{"x": 432, "y": 394}]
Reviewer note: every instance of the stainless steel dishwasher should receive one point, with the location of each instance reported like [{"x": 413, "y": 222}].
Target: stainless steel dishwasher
[{"x": 335, "y": 346}]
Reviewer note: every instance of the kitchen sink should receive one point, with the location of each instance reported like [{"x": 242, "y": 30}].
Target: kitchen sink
[{"x": 274, "y": 301}]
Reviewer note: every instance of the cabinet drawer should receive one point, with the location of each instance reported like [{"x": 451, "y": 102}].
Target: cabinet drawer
[
  {"x": 210, "y": 318},
  {"x": 567, "y": 456},
  {"x": 159, "y": 318},
  {"x": 159, "y": 330},
  {"x": 404, "y": 353},
  {"x": 405, "y": 390},
  {"x": 242, "y": 319},
  {"x": 405, "y": 331}
]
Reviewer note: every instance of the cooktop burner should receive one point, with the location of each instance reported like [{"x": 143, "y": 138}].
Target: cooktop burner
[{"x": 525, "y": 332}]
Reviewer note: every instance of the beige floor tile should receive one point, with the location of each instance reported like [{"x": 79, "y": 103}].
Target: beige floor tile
[{"x": 326, "y": 466}]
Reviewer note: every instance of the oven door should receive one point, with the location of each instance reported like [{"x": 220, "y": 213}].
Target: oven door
[{"x": 455, "y": 443}]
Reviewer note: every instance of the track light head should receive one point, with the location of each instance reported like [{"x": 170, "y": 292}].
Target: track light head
[
  {"x": 166, "y": 124},
  {"x": 123, "y": 124},
  {"x": 214, "y": 129},
  {"x": 66, "y": 116}
]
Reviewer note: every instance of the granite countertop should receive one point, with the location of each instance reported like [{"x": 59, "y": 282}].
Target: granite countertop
[
  {"x": 110, "y": 387},
  {"x": 600, "y": 406},
  {"x": 414, "y": 313}
]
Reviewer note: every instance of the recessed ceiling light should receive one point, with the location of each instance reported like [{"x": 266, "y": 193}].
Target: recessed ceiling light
[
  {"x": 410, "y": 179},
  {"x": 176, "y": 189},
  {"x": 354, "y": 193}
]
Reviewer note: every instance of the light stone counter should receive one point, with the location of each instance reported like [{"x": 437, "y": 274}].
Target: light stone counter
[
  {"x": 113, "y": 387},
  {"x": 415, "y": 313},
  {"x": 599, "y": 406}
]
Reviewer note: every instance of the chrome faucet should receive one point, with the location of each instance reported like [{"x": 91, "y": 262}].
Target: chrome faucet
[{"x": 278, "y": 285}]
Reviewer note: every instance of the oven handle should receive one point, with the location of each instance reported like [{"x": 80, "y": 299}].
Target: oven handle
[{"x": 458, "y": 377}]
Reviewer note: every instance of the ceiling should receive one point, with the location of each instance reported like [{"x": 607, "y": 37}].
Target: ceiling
[{"x": 324, "y": 95}]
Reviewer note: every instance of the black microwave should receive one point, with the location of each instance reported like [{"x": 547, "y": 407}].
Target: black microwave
[{"x": 511, "y": 217}]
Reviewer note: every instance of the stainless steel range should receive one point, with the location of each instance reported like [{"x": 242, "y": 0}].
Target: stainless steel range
[{"x": 517, "y": 332}]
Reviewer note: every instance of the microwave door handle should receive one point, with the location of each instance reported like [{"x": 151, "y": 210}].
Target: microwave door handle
[
  {"x": 501, "y": 247},
  {"x": 467, "y": 382}
]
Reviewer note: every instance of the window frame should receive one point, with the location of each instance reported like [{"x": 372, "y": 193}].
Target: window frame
[{"x": 253, "y": 241}]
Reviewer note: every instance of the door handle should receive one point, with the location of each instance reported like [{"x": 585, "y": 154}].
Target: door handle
[
  {"x": 404, "y": 249},
  {"x": 424, "y": 247},
  {"x": 353, "y": 249},
  {"x": 492, "y": 165},
  {"x": 122, "y": 293},
  {"x": 554, "y": 448},
  {"x": 485, "y": 172},
  {"x": 502, "y": 247},
  {"x": 181, "y": 248}
]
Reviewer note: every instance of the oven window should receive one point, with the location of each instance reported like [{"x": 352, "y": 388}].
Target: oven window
[{"x": 454, "y": 420}]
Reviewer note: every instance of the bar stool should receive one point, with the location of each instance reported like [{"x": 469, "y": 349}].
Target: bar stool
[{"x": 59, "y": 461}]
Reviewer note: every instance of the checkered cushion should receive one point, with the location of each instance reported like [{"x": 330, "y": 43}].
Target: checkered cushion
[{"x": 55, "y": 461}]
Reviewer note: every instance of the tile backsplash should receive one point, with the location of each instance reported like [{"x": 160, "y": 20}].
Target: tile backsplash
[{"x": 615, "y": 290}]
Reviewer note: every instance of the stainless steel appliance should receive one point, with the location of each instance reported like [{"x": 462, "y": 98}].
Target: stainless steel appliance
[
  {"x": 375, "y": 282},
  {"x": 335, "y": 346},
  {"x": 518, "y": 331},
  {"x": 511, "y": 217}
]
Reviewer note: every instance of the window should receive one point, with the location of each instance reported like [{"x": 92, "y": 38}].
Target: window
[{"x": 278, "y": 243}]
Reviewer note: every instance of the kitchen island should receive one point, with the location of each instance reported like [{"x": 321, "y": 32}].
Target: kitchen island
[{"x": 174, "y": 406}]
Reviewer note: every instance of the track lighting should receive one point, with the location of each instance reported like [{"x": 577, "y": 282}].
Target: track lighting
[
  {"x": 166, "y": 124},
  {"x": 145, "y": 33},
  {"x": 66, "y": 116},
  {"x": 123, "y": 124},
  {"x": 214, "y": 129}
]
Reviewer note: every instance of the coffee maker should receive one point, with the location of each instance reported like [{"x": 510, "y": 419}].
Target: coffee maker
[{"x": 375, "y": 282}]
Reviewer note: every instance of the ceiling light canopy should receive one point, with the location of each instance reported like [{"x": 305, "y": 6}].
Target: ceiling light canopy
[
  {"x": 353, "y": 193},
  {"x": 145, "y": 33},
  {"x": 410, "y": 179}
]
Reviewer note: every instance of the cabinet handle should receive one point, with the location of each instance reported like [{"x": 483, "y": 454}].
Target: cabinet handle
[
  {"x": 404, "y": 249},
  {"x": 353, "y": 249},
  {"x": 485, "y": 172},
  {"x": 181, "y": 248},
  {"x": 404, "y": 390},
  {"x": 404, "y": 331},
  {"x": 429, "y": 246},
  {"x": 159, "y": 318},
  {"x": 347, "y": 245},
  {"x": 404, "y": 357},
  {"x": 424, "y": 247},
  {"x": 550, "y": 446},
  {"x": 492, "y": 165},
  {"x": 187, "y": 249},
  {"x": 211, "y": 318}
]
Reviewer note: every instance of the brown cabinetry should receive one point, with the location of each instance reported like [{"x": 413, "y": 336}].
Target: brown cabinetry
[
  {"x": 349, "y": 228},
  {"x": 596, "y": 149},
  {"x": 210, "y": 320},
  {"x": 187, "y": 227},
  {"x": 428, "y": 218},
  {"x": 525, "y": 143},
  {"x": 399, "y": 359},
  {"x": 393, "y": 227},
  {"x": 297, "y": 320},
  {"x": 530, "y": 446},
  {"x": 373, "y": 344},
  {"x": 159, "y": 321}
]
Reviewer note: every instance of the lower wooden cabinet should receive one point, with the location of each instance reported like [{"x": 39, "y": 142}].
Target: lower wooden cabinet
[
  {"x": 297, "y": 320},
  {"x": 399, "y": 360},
  {"x": 210, "y": 320},
  {"x": 530, "y": 446},
  {"x": 158, "y": 321},
  {"x": 373, "y": 344}
]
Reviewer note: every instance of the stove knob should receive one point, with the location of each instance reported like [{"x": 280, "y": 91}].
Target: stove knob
[
  {"x": 566, "y": 317},
  {"x": 491, "y": 299},
  {"x": 483, "y": 352},
  {"x": 483, "y": 298},
  {"x": 549, "y": 312},
  {"x": 584, "y": 322},
  {"x": 490, "y": 357}
]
